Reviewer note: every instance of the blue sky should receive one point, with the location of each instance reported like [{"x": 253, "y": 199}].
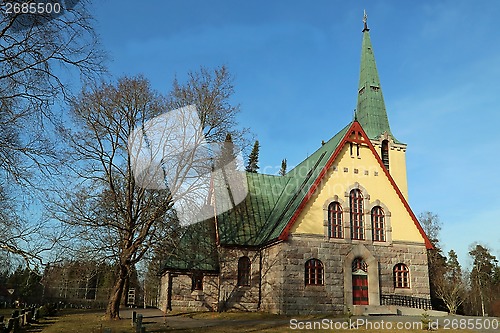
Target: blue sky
[{"x": 296, "y": 65}]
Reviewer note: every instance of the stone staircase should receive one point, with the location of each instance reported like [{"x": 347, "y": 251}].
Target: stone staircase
[{"x": 393, "y": 310}]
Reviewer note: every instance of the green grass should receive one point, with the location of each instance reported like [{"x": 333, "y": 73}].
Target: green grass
[
  {"x": 71, "y": 322},
  {"x": 6, "y": 312},
  {"x": 227, "y": 322}
]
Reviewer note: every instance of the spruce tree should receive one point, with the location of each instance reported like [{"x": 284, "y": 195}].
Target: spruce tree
[
  {"x": 283, "y": 168},
  {"x": 253, "y": 159},
  {"x": 453, "y": 267}
]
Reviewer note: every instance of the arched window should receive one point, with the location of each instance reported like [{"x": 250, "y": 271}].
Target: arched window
[
  {"x": 356, "y": 210},
  {"x": 335, "y": 220},
  {"x": 244, "y": 271},
  {"x": 197, "y": 281},
  {"x": 314, "y": 272},
  {"x": 401, "y": 276},
  {"x": 385, "y": 153},
  {"x": 378, "y": 224}
]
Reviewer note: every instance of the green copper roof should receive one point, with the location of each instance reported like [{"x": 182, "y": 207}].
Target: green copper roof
[
  {"x": 370, "y": 111},
  {"x": 196, "y": 250},
  {"x": 243, "y": 225},
  {"x": 259, "y": 219}
]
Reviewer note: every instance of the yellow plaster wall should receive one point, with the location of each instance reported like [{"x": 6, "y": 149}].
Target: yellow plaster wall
[
  {"x": 397, "y": 167},
  {"x": 337, "y": 182}
]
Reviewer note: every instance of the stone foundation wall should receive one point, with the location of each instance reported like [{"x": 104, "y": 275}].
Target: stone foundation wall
[
  {"x": 331, "y": 297},
  {"x": 415, "y": 257},
  {"x": 185, "y": 299},
  {"x": 232, "y": 296},
  {"x": 283, "y": 290},
  {"x": 297, "y": 298},
  {"x": 218, "y": 290},
  {"x": 273, "y": 272}
]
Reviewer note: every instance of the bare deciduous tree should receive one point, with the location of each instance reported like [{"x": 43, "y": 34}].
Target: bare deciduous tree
[
  {"x": 39, "y": 55},
  {"x": 435, "y": 259},
  {"x": 112, "y": 212},
  {"x": 451, "y": 286},
  {"x": 211, "y": 92},
  {"x": 113, "y": 216},
  {"x": 34, "y": 49}
]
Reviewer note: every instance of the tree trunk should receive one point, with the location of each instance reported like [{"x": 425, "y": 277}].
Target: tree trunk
[
  {"x": 113, "y": 309},
  {"x": 481, "y": 296},
  {"x": 483, "y": 313},
  {"x": 126, "y": 287}
]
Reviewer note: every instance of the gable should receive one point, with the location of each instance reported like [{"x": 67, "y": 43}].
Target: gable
[
  {"x": 277, "y": 206},
  {"x": 341, "y": 172}
]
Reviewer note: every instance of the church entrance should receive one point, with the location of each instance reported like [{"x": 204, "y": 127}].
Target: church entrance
[
  {"x": 360, "y": 289},
  {"x": 359, "y": 282}
]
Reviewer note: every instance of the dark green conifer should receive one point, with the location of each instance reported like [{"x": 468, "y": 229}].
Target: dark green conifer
[
  {"x": 283, "y": 168},
  {"x": 253, "y": 159}
]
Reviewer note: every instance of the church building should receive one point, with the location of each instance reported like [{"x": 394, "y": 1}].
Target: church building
[{"x": 334, "y": 234}]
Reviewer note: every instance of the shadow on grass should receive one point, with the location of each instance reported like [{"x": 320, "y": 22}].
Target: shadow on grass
[{"x": 39, "y": 326}]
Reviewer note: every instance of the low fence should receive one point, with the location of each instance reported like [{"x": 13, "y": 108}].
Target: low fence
[
  {"x": 18, "y": 319},
  {"x": 408, "y": 301}
]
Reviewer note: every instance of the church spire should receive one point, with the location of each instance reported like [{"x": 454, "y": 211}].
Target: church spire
[
  {"x": 365, "y": 20},
  {"x": 370, "y": 111}
]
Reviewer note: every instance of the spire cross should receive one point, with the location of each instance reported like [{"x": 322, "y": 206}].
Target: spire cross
[{"x": 365, "y": 20}]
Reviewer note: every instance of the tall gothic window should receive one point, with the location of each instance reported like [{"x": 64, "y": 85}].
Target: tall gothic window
[
  {"x": 335, "y": 220},
  {"x": 385, "y": 153},
  {"x": 401, "y": 276},
  {"x": 356, "y": 210},
  {"x": 378, "y": 224},
  {"x": 313, "y": 273},
  {"x": 244, "y": 271}
]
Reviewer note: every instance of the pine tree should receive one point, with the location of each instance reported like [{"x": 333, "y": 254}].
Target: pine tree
[
  {"x": 482, "y": 275},
  {"x": 253, "y": 159},
  {"x": 283, "y": 168}
]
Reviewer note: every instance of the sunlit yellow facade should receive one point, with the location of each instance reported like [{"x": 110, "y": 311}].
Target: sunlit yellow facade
[{"x": 366, "y": 171}]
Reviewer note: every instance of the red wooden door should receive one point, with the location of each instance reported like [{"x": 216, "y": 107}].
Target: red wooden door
[{"x": 360, "y": 289}]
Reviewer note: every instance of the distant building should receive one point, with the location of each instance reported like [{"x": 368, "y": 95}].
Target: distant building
[{"x": 335, "y": 232}]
